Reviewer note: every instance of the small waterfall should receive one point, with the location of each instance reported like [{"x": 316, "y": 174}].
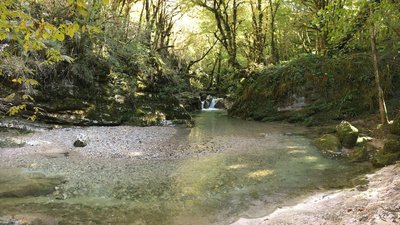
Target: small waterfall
[
  {"x": 213, "y": 102},
  {"x": 210, "y": 103}
]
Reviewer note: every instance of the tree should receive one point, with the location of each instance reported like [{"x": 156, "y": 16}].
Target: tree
[
  {"x": 226, "y": 18},
  {"x": 24, "y": 39},
  {"x": 374, "y": 57},
  {"x": 259, "y": 20}
]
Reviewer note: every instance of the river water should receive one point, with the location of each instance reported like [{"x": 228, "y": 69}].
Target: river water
[{"x": 237, "y": 169}]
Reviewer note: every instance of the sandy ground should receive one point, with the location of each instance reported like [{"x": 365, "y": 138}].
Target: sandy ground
[{"x": 376, "y": 203}]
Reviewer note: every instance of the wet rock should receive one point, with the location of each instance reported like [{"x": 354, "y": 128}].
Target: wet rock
[
  {"x": 28, "y": 219},
  {"x": 81, "y": 141},
  {"x": 347, "y": 134},
  {"x": 220, "y": 103},
  {"x": 9, "y": 221},
  {"x": 11, "y": 143},
  {"x": 358, "y": 154},
  {"x": 208, "y": 101},
  {"x": 329, "y": 144},
  {"x": 191, "y": 101},
  {"x": 392, "y": 146}
]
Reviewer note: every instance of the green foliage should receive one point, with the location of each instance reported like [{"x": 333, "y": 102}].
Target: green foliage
[
  {"x": 340, "y": 84},
  {"x": 100, "y": 51},
  {"x": 26, "y": 37}
]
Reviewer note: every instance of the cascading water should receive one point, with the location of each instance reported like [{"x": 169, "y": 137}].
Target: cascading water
[
  {"x": 208, "y": 105},
  {"x": 213, "y": 102}
]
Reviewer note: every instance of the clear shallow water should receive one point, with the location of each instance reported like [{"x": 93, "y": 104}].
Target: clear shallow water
[{"x": 241, "y": 168}]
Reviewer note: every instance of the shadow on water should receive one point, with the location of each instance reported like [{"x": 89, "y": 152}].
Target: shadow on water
[{"x": 253, "y": 169}]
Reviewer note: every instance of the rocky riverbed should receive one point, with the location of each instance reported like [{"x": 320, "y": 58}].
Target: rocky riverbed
[{"x": 212, "y": 174}]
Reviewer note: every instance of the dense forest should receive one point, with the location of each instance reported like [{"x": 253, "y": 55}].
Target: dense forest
[{"x": 143, "y": 61}]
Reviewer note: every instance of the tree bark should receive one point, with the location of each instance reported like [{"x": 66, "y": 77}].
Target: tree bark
[
  {"x": 274, "y": 49},
  {"x": 374, "y": 57}
]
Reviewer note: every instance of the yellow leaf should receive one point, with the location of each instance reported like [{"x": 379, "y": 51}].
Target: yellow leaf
[
  {"x": 81, "y": 3},
  {"x": 59, "y": 36},
  {"x": 3, "y": 36},
  {"x": 82, "y": 12},
  {"x": 46, "y": 35}
]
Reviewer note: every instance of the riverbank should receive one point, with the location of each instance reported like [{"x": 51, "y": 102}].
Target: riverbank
[
  {"x": 378, "y": 202},
  {"x": 210, "y": 174}
]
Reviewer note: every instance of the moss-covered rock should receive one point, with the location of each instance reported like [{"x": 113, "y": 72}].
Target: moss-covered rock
[
  {"x": 392, "y": 146},
  {"x": 395, "y": 126},
  {"x": 347, "y": 133},
  {"x": 382, "y": 158},
  {"x": 329, "y": 145},
  {"x": 359, "y": 154}
]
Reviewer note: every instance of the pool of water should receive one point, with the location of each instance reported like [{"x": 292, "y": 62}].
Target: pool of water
[{"x": 240, "y": 169}]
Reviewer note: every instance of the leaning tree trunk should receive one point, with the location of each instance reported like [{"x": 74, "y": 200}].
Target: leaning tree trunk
[{"x": 381, "y": 98}]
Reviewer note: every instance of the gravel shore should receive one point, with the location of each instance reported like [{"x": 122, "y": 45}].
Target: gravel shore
[{"x": 113, "y": 154}]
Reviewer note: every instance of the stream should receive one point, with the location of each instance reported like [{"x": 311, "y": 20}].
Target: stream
[{"x": 226, "y": 168}]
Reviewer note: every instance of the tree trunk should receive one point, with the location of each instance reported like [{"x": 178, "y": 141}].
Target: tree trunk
[
  {"x": 274, "y": 49},
  {"x": 374, "y": 57}
]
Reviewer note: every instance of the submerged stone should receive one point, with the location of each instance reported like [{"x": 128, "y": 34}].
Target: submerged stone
[
  {"x": 15, "y": 183},
  {"x": 347, "y": 133},
  {"x": 329, "y": 144},
  {"x": 359, "y": 154}
]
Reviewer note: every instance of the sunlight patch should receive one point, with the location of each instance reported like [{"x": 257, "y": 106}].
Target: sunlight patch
[
  {"x": 297, "y": 152},
  {"x": 237, "y": 166},
  {"x": 260, "y": 173},
  {"x": 311, "y": 158},
  {"x": 321, "y": 166},
  {"x": 135, "y": 154}
]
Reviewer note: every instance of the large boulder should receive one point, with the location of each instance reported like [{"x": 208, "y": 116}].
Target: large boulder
[
  {"x": 347, "y": 133},
  {"x": 329, "y": 145}
]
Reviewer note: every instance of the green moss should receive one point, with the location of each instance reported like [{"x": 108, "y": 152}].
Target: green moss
[
  {"x": 328, "y": 144},
  {"x": 392, "y": 146},
  {"x": 382, "y": 158},
  {"x": 347, "y": 134},
  {"x": 395, "y": 126}
]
